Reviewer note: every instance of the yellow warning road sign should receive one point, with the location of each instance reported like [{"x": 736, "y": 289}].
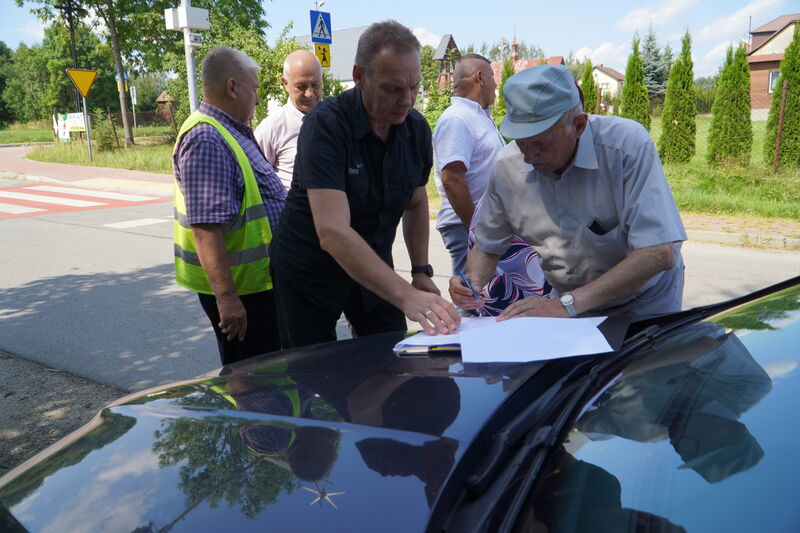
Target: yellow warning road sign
[
  {"x": 82, "y": 79},
  {"x": 323, "y": 52}
]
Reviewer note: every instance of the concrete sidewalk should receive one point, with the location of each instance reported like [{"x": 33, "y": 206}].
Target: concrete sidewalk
[{"x": 13, "y": 164}]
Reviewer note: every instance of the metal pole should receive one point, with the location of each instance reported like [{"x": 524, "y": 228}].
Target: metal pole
[
  {"x": 191, "y": 72},
  {"x": 133, "y": 104},
  {"x": 88, "y": 128}
]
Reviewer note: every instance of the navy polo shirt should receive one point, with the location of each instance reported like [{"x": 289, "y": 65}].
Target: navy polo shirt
[{"x": 337, "y": 149}]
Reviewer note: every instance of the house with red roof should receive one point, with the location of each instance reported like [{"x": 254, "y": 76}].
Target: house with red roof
[
  {"x": 767, "y": 46},
  {"x": 523, "y": 64}
]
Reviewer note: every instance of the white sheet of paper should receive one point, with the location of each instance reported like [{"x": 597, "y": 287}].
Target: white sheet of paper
[
  {"x": 532, "y": 339},
  {"x": 424, "y": 340}
]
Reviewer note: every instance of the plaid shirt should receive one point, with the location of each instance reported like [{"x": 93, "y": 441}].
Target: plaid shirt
[{"x": 209, "y": 175}]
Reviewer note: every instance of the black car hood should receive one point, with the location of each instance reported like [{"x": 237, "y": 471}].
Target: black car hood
[{"x": 333, "y": 437}]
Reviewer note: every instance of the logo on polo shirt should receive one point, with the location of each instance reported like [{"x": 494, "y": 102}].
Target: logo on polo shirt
[{"x": 355, "y": 171}]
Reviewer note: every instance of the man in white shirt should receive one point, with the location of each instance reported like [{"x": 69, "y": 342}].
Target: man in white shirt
[
  {"x": 465, "y": 142},
  {"x": 277, "y": 134}
]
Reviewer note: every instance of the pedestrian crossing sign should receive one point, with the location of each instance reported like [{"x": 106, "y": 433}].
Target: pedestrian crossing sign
[
  {"x": 321, "y": 27},
  {"x": 323, "y": 52}
]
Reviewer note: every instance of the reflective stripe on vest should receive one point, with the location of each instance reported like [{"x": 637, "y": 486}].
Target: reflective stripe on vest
[{"x": 247, "y": 236}]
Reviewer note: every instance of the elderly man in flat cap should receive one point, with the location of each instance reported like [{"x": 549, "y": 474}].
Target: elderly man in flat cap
[{"x": 589, "y": 194}]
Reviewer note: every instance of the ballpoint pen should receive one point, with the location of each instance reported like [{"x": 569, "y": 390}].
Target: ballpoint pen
[{"x": 460, "y": 272}]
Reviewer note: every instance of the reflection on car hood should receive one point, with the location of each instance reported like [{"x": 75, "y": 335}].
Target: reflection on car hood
[{"x": 341, "y": 436}]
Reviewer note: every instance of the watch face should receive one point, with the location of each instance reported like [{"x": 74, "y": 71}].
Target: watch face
[{"x": 567, "y": 299}]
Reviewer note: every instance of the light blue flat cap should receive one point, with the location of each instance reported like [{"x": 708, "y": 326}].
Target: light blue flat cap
[{"x": 536, "y": 98}]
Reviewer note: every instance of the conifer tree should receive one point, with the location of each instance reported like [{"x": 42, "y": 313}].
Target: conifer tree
[
  {"x": 790, "y": 138},
  {"x": 589, "y": 88},
  {"x": 730, "y": 137},
  {"x": 635, "y": 103},
  {"x": 677, "y": 141}
]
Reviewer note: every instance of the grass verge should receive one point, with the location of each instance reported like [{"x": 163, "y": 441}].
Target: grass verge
[
  {"x": 25, "y": 136},
  {"x": 156, "y": 158}
]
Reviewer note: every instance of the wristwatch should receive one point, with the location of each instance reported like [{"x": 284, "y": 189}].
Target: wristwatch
[
  {"x": 424, "y": 269},
  {"x": 568, "y": 301}
]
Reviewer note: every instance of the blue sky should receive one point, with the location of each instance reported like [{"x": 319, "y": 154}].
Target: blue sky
[{"x": 600, "y": 30}]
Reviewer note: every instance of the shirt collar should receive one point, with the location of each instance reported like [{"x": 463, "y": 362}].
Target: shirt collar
[
  {"x": 472, "y": 104},
  {"x": 585, "y": 156},
  {"x": 291, "y": 108},
  {"x": 362, "y": 127},
  {"x": 221, "y": 116}
]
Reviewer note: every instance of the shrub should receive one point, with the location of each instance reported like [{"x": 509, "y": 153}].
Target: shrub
[
  {"x": 790, "y": 139},
  {"x": 677, "y": 141},
  {"x": 635, "y": 103},
  {"x": 730, "y": 137}
]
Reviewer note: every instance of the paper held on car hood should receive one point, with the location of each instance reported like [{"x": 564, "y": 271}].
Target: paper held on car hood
[{"x": 524, "y": 339}]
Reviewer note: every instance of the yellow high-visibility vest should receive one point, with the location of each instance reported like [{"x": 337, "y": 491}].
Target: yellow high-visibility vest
[{"x": 247, "y": 236}]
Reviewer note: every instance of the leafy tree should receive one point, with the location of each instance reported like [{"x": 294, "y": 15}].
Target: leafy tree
[
  {"x": 148, "y": 87},
  {"x": 790, "y": 139},
  {"x": 6, "y": 116},
  {"x": 730, "y": 137},
  {"x": 677, "y": 141},
  {"x": 635, "y": 103},
  {"x": 436, "y": 97},
  {"x": 330, "y": 86},
  {"x": 137, "y": 35},
  {"x": 575, "y": 65},
  {"x": 499, "y": 110},
  {"x": 502, "y": 50},
  {"x": 36, "y": 83},
  {"x": 249, "y": 41},
  {"x": 589, "y": 88}
]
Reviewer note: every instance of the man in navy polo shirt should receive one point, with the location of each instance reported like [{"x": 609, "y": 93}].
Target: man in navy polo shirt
[{"x": 363, "y": 159}]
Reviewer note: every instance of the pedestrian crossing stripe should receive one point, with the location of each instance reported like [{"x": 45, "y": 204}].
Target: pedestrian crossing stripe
[{"x": 34, "y": 200}]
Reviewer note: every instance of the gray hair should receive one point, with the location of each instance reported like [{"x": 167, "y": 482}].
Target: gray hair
[
  {"x": 568, "y": 118},
  {"x": 380, "y": 35},
  {"x": 221, "y": 64}
]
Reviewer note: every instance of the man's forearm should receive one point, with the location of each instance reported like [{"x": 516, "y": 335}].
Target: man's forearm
[
  {"x": 416, "y": 230},
  {"x": 457, "y": 192},
  {"x": 362, "y": 264},
  {"x": 210, "y": 242},
  {"x": 625, "y": 277},
  {"x": 480, "y": 267}
]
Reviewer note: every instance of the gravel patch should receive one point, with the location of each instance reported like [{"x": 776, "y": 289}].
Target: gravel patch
[{"x": 40, "y": 405}]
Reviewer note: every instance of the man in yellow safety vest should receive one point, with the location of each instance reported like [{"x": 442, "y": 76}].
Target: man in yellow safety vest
[{"x": 227, "y": 202}]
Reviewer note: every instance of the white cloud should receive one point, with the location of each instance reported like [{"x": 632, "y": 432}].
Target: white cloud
[
  {"x": 34, "y": 30},
  {"x": 608, "y": 54},
  {"x": 734, "y": 26},
  {"x": 658, "y": 14},
  {"x": 718, "y": 52},
  {"x": 426, "y": 37}
]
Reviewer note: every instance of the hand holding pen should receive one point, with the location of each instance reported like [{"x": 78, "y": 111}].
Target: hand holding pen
[{"x": 463, "y": 294}]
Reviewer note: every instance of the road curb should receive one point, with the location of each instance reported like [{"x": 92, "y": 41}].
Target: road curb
[{"x": 745, "y": 239}]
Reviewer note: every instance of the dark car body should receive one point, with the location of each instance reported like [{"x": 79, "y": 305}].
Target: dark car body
[{"x": 688, "y": 426}]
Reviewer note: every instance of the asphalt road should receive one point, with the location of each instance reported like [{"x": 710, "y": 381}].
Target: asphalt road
[{"x": 100, "y": 301}]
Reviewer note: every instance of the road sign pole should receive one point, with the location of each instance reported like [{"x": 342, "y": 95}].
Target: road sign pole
[
  {"x": 191, "y": 72},
  {"x": 88, "y": 129}
]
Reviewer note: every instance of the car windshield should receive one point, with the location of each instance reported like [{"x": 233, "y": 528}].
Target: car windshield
[{"x": 697, "y": 434}]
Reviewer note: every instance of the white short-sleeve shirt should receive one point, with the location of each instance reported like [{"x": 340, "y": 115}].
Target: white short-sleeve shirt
[
  {"x": 612, "y": 199},
  {"x": 464, "y": 132},
  {"x": 277, "y": 137}
]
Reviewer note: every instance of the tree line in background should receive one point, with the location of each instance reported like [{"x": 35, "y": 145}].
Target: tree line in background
[{"x": 131, "y": 33}]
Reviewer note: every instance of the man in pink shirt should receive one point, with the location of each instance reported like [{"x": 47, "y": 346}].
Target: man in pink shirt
[{"x": 277, "y": 134}]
